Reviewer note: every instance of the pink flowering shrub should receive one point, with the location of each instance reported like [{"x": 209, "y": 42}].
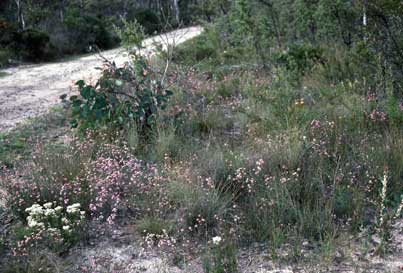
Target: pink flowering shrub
[
  {"x": 118, "y": 182},
  {"x": 106, "y": 182}
]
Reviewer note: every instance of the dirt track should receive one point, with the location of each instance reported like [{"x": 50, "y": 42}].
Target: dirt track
[{"x": 29, "y": 90}]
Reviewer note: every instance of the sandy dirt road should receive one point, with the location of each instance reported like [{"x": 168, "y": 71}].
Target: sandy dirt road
[{"x": 29, "y": 90}]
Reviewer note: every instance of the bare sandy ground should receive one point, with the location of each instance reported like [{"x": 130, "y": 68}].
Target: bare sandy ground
[{"x": 29, "y": 90}]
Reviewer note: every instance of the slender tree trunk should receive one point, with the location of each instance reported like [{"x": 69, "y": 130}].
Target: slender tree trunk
[
  {"x": 274, "y": 20},
  {"x": 62, "y": 6},
  {"x": 20, "y": 14},
  {"x": 276, "y": 30},
  {"x": 364, "y": 14},
  {"x": 176, "y": 10}
]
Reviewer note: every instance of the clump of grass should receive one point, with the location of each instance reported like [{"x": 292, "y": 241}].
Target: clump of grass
[
  {"x": 154, "y": 225},
  {"x": 205, "y": 123},
  {"x": 221, "y": 256},
  {"x": 167, "y": 144},
  {"x": 196, "y": 50},
  {"x": 39, "y": 262},
  {"x": 17, "y": 144},
  {"x": 201, "y": 211}
]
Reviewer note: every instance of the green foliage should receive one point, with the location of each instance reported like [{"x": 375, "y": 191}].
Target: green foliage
[
  {"x": 167, "y": 143},
  {"x": 131, "y": 34},
  {"x": 206, "y": 10},
  {"x": 52, "y": 167},
  {"x": 35, "y": 45},
  {"x": 29, "y": 44},
  {"x": 8, "y": 33},
  {"x": 241, "y": 23},
  {"x": 394, "y": 111},
  {"x": 195, "y": 50},
  {"x": 222, "y": 257},
  {"x": 201, "y": 209},
  {"x": 17, "y": 145},
  {"x": 51, "y": 227},
  {"x": 300, "y": 59},
  {"x": 121, "y": 96},
  {"x": 5, "y": 55},
  {"x": 79, "y": 32},
  {"x": 154, "y": 226},
  {"x": 207, "y": 123},
  {"x": 149, "y": 20},
  {"x": 292, "y": 113}
]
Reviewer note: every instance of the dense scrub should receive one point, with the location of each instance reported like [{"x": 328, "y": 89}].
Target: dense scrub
[
  {"x": 276, "y": 135},
  {"x": 36, "y": 31}
]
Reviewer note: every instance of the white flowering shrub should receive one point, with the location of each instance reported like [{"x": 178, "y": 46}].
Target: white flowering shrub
[{"x": 50, "y": 225}]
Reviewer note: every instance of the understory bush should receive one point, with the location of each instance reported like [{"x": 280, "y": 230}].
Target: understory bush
[
  {"x": 49, "y": 226},
  {"x": 5, "y": 56},
  {"x": 29, "y": 45},
  {"x": 129, "y": 96},
  {"x": 195, "y": 50},
  {"x": 78, "y": 33},
  {"x": 101, "y": 181},
  {"x": 122, "y": 96},
  {"x": 300, "y": 59},
  {"x": 35, "y": 45},
  {"x": 149, "y": 20}
]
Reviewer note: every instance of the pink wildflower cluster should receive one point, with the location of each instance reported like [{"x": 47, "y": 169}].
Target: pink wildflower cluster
[
  {"x": 117, "y": 180},
  {"x": 377, "y": 116},
  {"x": 321, "y": 135},
  {"x": 105, "y": 183}
]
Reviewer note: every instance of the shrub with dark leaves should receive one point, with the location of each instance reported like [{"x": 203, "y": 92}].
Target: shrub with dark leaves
[{"x": 122, "y": 96}]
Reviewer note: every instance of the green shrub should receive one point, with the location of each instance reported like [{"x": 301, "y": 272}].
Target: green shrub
[
  {"x": 195, "y": 50},
  {"x": 300, "y": 59},
  {"x": 50, "y": 226},
  {"x": 204, "y": 214},
  {"x": 47, "y": 175},
  {"x": 5, "y": 55},
  {"x": 102, "y": 37},
  {"x": 35, "y": 45},
  {"x": 120, "y": 97},
  {"x": 211, "y": 122},
  {"x": 78, "y": 32},
  {"x": 149, "y": 20},
  {"x": 131, "y": 34},
  {"x": 8, "y": 34}
]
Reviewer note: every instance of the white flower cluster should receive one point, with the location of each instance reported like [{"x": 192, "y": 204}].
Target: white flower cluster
[
  {"x": 38, "y": 213},
  {"x": 382, "y": 212},
  {"x": 160, "y": 240},
  {"x": 44, "y": 217},
  {"x": 72, "y": 209},
  {"x": 217, "y": 240}
]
